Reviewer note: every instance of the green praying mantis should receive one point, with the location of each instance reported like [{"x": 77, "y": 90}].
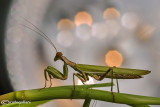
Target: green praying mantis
[{"x": 84, "y": 70}]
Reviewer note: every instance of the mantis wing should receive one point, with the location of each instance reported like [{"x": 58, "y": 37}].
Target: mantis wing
[{"x": 103, "y": 69}]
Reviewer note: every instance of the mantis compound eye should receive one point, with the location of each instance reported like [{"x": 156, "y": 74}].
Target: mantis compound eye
[{"x": 58, "y": 56}]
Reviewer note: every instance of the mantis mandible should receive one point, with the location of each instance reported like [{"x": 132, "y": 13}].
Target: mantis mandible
[{"x": 84, "y": 70}]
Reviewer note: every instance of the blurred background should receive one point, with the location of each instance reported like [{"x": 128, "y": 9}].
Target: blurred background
[{"x": 97, "y": 32}]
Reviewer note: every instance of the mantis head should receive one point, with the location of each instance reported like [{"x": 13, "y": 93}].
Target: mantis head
[{"x": 58, "y": 56}]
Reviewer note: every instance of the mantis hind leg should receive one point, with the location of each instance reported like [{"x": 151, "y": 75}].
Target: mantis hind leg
[
  {"x": 112, "y": 85},
  {"x": 103, "y": 76},
  {"x": 99, "y": 78},
  {"x": 117, "y": 85}
]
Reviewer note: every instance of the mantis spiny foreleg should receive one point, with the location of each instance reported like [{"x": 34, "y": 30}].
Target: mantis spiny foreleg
[
  {"x": 45, "y": 75},
  {"x": 50, "y": 77},
  {"x": 54, "y": 73}
]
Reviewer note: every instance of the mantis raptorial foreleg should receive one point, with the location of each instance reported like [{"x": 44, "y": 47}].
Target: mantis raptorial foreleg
[
  {"x": 45, "y": 75},
  {"x": 50, "y": 77},
  {"x": 54, "y": 73}
]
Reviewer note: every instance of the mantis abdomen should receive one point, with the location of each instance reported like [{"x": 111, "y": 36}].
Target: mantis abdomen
[{"x": 121, "y": 76}]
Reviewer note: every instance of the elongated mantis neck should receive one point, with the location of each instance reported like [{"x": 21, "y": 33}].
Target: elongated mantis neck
[{"x": 68, "y": 62}]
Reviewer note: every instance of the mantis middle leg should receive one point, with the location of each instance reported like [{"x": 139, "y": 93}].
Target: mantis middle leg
[{"x": 82, "y": 76}]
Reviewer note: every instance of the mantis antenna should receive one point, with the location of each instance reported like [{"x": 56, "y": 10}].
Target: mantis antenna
[{"x": 40, "y": 33}]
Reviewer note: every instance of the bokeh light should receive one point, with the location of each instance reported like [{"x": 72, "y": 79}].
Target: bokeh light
[
  {"x": 83, "y": 18},
  {"x": 145, "y": 31},
  {"x": 113, "y": 58},
  {"x": 130, "y": 20},
  {"x": 65, "y": 24},
  {"x": 111, "y": 13}
]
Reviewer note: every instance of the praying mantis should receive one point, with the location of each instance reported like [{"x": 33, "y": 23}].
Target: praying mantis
[{"x": 84, "y": 70}]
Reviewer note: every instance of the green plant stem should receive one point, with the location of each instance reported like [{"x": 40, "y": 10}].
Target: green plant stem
[
  {"x": 81, "y": 92},
  {"x": 86, "y": 102}
]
